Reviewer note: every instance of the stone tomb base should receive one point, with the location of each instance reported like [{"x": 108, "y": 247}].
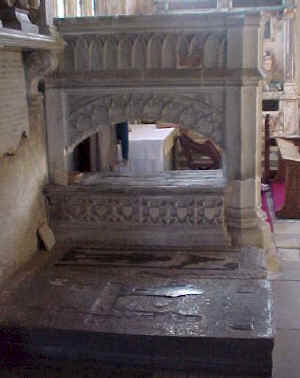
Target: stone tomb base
[
  {"x": 120, "y": 312},
  {"x": 176, "y": 209}
]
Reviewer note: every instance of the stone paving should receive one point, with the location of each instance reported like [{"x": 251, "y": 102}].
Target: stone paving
[{"x": 286, "y": 290}]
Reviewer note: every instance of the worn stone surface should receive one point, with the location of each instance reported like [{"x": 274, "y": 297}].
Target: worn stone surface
[
  {"x": 156, "y": 320},
  {"x": 22, "y": 205},
  {"x": 13, "y": 105},
  {"x": 230, "y": 263}
]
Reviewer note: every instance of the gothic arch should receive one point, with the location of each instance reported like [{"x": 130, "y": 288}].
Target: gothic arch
[{"x": 194, "y": 111}]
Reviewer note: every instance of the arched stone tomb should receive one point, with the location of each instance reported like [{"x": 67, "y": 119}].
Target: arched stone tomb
[{"x": 194, "y": 70}]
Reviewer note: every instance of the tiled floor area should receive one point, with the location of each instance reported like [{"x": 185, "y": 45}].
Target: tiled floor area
[{"x": 286, "y": 292}]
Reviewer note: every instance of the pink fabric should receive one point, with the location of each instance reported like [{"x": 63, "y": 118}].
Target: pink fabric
[
  {"x": 264, "y": 206},
  {"x": 278, "y": 195}
]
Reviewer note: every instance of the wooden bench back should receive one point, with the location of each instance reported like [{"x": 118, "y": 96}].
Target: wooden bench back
[{"x": 205, "y": 149}]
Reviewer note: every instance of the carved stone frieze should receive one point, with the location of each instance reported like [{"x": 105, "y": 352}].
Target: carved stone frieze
[
  {"x": 146, "y": 51},
  {"x": 203, "y": 113},
  {"x": 205, "y": 210}
]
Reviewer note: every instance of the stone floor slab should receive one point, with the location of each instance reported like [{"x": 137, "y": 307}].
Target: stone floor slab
[
  {"x": 217, "y": 326},
  {"x": 286, "y": 304},
  {"x": 288, "y": 271},
  {"x": 286, "y": 226},
  {"x": 286, "y": 354},
  {"x": 285, "y": 254},
  {"x": 290, "y": 241}
]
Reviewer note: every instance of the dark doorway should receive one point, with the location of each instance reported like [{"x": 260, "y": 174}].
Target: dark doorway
[{"x": 82, "y": 159}]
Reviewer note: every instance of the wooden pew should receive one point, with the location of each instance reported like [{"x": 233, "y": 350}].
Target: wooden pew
[{"x": 289, "y": 171}]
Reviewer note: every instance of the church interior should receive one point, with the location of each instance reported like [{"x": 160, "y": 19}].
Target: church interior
[{"x": 150, "y": 188}]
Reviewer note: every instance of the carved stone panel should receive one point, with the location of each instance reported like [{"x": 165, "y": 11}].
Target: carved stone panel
[
  {"x": 164, "y": 50},
  {"x": 205, "y": 210},
  {"x": 135, "y": 217},
  {"x": 13, "y": 104},
  {"x": 203, "y": 112}
]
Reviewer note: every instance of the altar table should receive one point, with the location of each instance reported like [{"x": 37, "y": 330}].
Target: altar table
[{"x": 150, "y": 149}]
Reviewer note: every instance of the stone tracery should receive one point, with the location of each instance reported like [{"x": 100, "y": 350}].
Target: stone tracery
[{"x": 195, "y": 111}]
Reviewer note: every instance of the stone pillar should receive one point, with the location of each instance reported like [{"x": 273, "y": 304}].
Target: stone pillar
[
  {"x": 86, "y": 8},
  {"x": 70, "y": 8},
  {"x": 243, "y": 130},
  {"x": 289, "y": 101},
  {"x": 46, "y": 17},
  {"x": 115, "y": 7},
  {"x": 143, "y": 6},
  {"x": 53, "y": 5},
  {"x": 297, "y": 46},
  {"x": 224, "y": 4},
  {"x": 289, "y": 45},
  {"x": 56, "y": 136},
  {"x": 101, "y": 7},
  {"x": 131, "y": 6}
]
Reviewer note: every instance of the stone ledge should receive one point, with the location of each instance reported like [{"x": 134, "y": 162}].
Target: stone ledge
[
  {"x": 20, "y": 40},
  {"x": 149, "y": 77},
  {"x": 193, "y": 22},
  {"x": 187, "y": 182}
]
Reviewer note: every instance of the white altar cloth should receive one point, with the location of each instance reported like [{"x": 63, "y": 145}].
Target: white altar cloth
[{"x": 150, "y": 149}]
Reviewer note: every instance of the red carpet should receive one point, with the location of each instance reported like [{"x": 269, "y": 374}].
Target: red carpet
[
  {"x": 278, "y": 193},
  {"x": 265, "y": 208}
]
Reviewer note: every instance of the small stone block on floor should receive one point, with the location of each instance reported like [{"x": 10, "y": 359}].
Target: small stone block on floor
[{"x": 47, "y": 236}]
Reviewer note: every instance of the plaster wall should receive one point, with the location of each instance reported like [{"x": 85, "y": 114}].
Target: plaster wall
[{"x": 22, "y": 206}]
